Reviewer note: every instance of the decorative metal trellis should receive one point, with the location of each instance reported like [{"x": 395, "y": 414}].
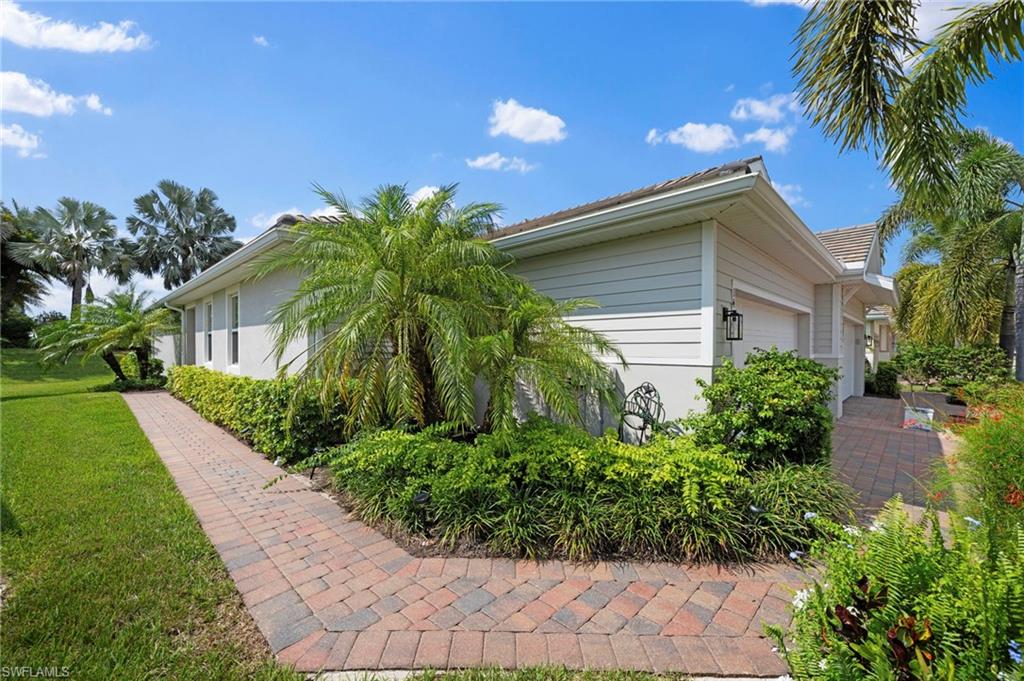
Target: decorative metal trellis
[{"x": 642, "y": 412}]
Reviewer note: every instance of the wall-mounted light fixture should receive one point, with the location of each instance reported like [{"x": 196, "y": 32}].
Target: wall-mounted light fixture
[
  {"x": 868, "y": 340},
  {"x": 733, "y": 324}
]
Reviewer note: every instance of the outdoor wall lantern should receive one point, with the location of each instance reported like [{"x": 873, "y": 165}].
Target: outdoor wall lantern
[
  {"x": 868, "y": 340},
  {"x": 733, "y": 324}
]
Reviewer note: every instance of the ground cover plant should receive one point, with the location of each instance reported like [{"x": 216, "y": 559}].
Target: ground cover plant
[
  {"x": 543, "y": 489},
  {"x": 913, "y": 600},
  {"x": 897, "y": 602},
  {"x": 107, "y": 571},
  {"x": 269, "y": 414}
]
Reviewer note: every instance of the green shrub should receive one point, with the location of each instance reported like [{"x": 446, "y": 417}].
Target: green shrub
[
  {"x": 774, "y": 409},
  {"x": 886, "y": 380},
  {"x": 257, "y": 411},
  {"x": 16, "y": 329},
  {"x": 988, "y": 469},
  {"x": 544, "y": 489},
  {"x": 952, "y": 366},
  {"x": 899, "y": 603}
]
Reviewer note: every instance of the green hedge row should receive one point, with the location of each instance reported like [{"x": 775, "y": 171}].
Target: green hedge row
[
  {"x": 545, "y": 489},
  {"x": 257, "y": 411}
]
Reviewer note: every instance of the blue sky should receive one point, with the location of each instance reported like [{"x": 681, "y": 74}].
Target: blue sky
[{"x": 535, "y": 106}]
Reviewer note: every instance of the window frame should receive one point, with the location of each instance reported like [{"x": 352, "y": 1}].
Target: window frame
[
  {"x": 234, "y": 325},
  {"x": 208, "y": 331}
]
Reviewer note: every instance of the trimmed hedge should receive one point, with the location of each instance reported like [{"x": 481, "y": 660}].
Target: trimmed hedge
[
  {"x": 952, "y": 366},
  {"x": 773, "y": 410},
  {"x": 545, "y": 489},
  {"x": 257, "y": 411},
  {"x": 887, "y": 380}
]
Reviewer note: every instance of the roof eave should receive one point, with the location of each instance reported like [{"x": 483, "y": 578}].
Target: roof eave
[
  {"x": 686, "y": 196},
  {"x": 258, "y": 245}
]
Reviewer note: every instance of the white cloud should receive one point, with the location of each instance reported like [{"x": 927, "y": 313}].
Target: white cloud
[
  {"x": 763, "y": 3},
  {"x": 424, "y": 192},
  {"x": 774, "y": 139},
  {"x": 34, "y": 30},
  {"x": 792, "y": 193},
  {"x": 496, "y": 161},
  {"x": 525, "y": 123},
  {"x": 35, "y": 97},
  {"x": 730, "y": 87},
  {"x": 705, "y": 138},
  {"x": 19, "y": 139},
  {"x": 770, "y": 110},
  {"x": 93, "y": 103},
  {"x": 261, "y": 41}
]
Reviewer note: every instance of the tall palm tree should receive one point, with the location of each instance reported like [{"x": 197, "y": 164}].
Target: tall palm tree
[
  {"x": 72, "y": 242},
  {"x": 973, "y": 232},
  {"x": 852, "y": 62},
  {"x": 410, "y": 306},
  {"x": 20, "y": 284},
  {"x": 121, "y": 322},
  {"x": 180, "y": 232}
]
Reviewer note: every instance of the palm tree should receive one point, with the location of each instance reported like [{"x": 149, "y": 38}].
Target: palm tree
[
  {"x": 180, "y": 232},
  {"x": 21, "y": 285},
  {"x": 410, "y": 306},
  {"x": 72, "y": 242},
  {"x": 534, "y": 346},
  {"x": 852, "y": 63},
  {"x": 120, "y": 322},
  {"x": 973, "y": 233}
]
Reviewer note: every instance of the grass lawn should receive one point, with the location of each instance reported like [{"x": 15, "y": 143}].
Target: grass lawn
[{"x": 106, "y": 569}]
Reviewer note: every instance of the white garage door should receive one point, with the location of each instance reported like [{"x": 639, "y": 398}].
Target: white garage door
[
  {"x": 763, "y": 327},
  {"x": 847, "y": 354}
]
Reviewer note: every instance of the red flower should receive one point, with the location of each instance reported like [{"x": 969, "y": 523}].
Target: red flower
[{"x": 1015, "y": 496}]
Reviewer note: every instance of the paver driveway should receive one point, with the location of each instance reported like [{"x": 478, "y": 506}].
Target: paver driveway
[
  {"x": 330, "y": 593},
  {"x": 873, "y": 453}
]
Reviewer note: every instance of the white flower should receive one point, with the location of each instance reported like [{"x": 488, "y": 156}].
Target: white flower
[
  {"x": 810, "y": 515},
  {"x": 800, "y": 598},
  {"x": 973, "y": 522},
  {"x": 851, "y": 530},
  {"x": 875, "y": 526},
  {"x": 823, "y": 664}
]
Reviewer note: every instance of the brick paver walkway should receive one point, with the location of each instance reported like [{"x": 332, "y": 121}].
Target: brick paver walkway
[
  {"x": 330, "y": 593},
  {"x": 873, "y": 452}
]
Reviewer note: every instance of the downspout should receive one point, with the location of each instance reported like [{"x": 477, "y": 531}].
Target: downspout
[{"x": 181, "y": 330}]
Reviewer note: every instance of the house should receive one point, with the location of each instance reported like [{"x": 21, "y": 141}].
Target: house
[
  {"x": 879, "y": 335},
  {"x": 667, "y": 263}
]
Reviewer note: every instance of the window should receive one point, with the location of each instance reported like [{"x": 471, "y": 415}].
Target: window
[
  {"x": 233, "y": 336},
  {"x": 208, "y": 329}
]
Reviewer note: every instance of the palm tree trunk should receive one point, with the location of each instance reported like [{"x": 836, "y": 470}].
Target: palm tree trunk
[
  {"x": 77, "y": 286},
  {"x": 1006, "y": 326},
  {"x": 1018, "y": 323},
  {"x": 114, "y": 365},
  {"x": 143, "y": 358}
]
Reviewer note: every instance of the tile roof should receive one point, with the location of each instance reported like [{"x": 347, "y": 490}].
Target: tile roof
[
  {"x": 743, "y": 165},
  {"x": 849, "y": 244}
]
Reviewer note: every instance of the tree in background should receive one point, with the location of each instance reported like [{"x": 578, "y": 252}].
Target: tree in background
[
  {"x": 20, "y": 284},
  {"x": 180, "y": 232},
  {"x": 959, "y": 281},
  {"x": 868, "y": 83},
  {"x": 409, "y": 306},
  {"x": 71, "y": 242},
  {"x": 120, "y": 322}
]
